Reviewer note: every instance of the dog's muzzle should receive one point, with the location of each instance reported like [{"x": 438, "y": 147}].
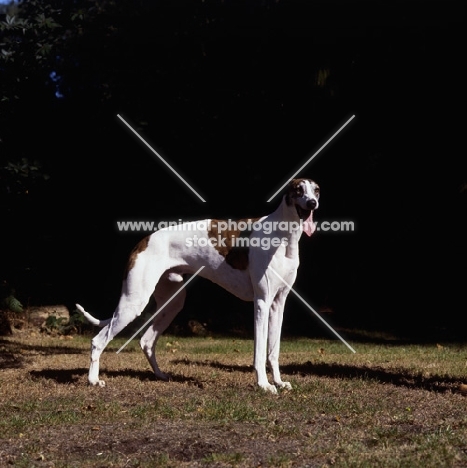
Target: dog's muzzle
[
  {"x": 304, "y": 213},
  {"x": 311, "y": 204}
]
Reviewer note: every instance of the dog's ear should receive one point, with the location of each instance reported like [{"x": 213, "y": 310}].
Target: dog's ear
[
  {"x": 292, "y": 190},
  {"x": 292, "y": 185}
]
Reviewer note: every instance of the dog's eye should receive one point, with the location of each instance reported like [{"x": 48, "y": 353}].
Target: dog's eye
[{"x": 317, "y": 191}]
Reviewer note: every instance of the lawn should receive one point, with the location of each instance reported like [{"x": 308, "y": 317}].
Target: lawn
[{"x": 391, "y": 404}]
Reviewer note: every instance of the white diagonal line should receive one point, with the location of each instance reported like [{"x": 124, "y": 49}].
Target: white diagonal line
[
  {"x": 202, "y": 199},
  {"x": 158, "y": 310},
  {"x": 291, "y": 177},
  {"x": 161, "y": 158},
  {"x": 313, "y": 310}
]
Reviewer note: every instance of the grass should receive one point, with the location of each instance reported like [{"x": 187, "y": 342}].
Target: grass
[{"x": 392, "y": 404}]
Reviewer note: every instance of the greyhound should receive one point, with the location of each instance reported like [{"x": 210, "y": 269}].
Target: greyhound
[{"x": 256, "y": 259}]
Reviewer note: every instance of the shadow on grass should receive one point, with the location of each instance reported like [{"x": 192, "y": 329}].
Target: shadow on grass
[
  {"x": 14, "y": 347},
  {"x": 14, "y": 355},
  {"x": 74, "y": 376},
  {"x": 400, "y": 378},
  {"x": 9, "y": 360},
  {"x": 61, "y": 376}
]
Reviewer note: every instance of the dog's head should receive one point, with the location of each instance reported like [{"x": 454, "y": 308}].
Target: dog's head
[{"x": 303, "y": 194}]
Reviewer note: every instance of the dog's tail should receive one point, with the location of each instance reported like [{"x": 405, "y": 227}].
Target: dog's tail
[{"x": 91, "y": 319}]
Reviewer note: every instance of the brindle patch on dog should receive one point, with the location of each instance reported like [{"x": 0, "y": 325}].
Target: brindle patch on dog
[
  {"x": 235, "y": 256},
  {"x": 141, "y": 246}
]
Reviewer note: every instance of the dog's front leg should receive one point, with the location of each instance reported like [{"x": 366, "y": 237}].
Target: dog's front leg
[
  {"x": 274, "y": 337},
  {"x": 261, "y": 334}
]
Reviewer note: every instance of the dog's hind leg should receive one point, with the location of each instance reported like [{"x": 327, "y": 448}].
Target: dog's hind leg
[
  {"x": 165, "y": 289},
  {"x": 123, "y": 315},
  {"x": 136, "y": 291}
]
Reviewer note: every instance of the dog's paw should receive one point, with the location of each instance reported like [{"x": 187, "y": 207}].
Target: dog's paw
[
  {"x": 284, "y": 385},
  {"x": 97, "y": 383},
  {"x": 162, "y": 376},
  {"x": 267, "y": 387}
]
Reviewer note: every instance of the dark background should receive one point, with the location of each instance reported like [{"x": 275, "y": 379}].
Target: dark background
[{"x": 236, "y": 96}]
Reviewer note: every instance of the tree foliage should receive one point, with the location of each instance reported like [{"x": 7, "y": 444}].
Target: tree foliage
[
  {"x": 39, "y": 51},
  {"x": 29, "y": 41},
  {"x": 27, "y": 45}
]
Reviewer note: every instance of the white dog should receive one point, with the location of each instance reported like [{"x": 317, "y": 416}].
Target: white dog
[{"x": 254, "y": 259}]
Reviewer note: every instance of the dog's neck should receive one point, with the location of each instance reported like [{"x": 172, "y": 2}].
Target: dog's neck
[{"x": 292, "y": 234}]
